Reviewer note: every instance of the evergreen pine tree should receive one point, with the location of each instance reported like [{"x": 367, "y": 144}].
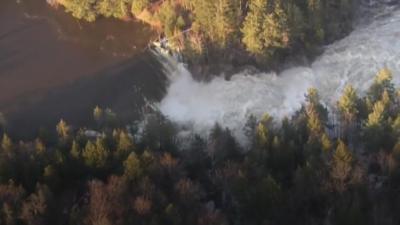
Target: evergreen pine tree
[
  {"x": 81, "y": 9},
  {"x": 40, "y": 147},
  {"x": 124, "y": 144},
  {"x": 276, "y": 30},
  {"x": 225, "y": 21},
  {"x": 341, "y": 166},
  {"x": 382, "y": 82},
  {"x": 63, "y": 129},
  {"x": 98, "y": 114},
  {"x": 6, "y": 144},
  {"x": 252, "y": 29},
  {"x": 95, "y": 155},
  {"x": 132, "y": 168},
  {"x": 348, "y": 104}
]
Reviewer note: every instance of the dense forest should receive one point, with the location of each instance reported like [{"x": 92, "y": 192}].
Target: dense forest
[
  {"x": 316, "y": 167},
  {"x": 260, "y": 32}
]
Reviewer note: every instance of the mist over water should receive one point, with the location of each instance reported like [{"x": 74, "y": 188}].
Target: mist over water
[{"x": 353, "y": 60}]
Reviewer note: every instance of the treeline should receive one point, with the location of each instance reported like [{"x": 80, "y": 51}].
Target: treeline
[
  {"x": 90, "y": 10},
  {"x": 266, "y": 29},
  {"x": 261, "y": 31},
  {"x": 305, "y": 171}
]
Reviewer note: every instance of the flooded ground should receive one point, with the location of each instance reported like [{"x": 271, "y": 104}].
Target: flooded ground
[{"x": 53, "y": 66}]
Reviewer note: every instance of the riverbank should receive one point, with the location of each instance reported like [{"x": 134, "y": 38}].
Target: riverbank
[
  {"x": 301, "y": 163},
  {"x": 299, "y": 173},
  {"x": 228, "y": 34},
  {"x": 53, "y": 66}
]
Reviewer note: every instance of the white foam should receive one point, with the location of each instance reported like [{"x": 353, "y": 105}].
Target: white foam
[{"x": 354, "y": 60}]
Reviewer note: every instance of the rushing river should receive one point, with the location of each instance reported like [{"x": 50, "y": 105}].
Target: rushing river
[
  {"x": 354, "y": 60},
  {"x": 53, "y": 66}
]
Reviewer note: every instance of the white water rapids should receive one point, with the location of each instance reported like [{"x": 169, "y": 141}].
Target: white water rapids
[{"x": 353, "y": 60}]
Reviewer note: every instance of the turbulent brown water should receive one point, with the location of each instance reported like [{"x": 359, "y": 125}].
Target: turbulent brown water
[{"x": 53, "y": 66}]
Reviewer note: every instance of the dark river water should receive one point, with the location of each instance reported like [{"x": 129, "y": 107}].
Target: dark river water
[{"x": 53, "y": 66}]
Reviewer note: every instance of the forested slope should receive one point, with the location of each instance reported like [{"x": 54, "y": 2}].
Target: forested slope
[
  {"x": 260, "y": 32},
  {"x": 308, "y": 170}
]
